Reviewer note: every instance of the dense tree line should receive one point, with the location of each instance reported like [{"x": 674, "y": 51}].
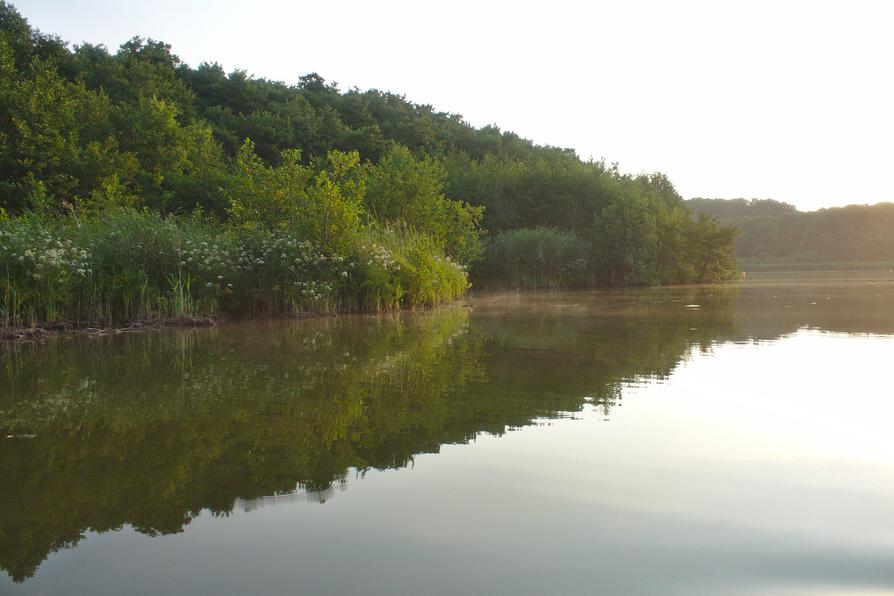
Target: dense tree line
[
  {"x": 84, "y": 131},
  {"x": 775, "y": 231}
]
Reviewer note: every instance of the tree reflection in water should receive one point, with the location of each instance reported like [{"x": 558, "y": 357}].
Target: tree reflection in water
[{"x": 150, "y": 430}]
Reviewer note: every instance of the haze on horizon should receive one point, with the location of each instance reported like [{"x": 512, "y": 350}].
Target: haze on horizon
[{"x": 759, "y": 99}]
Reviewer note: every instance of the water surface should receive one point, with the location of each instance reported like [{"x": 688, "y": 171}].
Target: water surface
[{"x": 669, "y": 441}]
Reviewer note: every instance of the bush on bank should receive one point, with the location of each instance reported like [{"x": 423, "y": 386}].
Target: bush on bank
[
  {"x": 306, "y": 198},
  {"x": 125, "y": 264}
]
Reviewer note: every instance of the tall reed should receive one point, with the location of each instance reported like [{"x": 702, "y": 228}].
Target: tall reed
[{"x": 536, "y": 258}]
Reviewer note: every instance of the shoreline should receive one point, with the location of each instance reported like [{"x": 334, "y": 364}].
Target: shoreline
[
  {"x": 59, "y": 329},
  {"x": 97, "y": 329}
]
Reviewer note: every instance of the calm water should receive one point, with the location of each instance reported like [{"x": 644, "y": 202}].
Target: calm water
[{"x": 696, "y": 441}]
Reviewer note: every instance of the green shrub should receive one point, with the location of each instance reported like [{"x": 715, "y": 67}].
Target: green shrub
[
  {"x": 398, "y": 266},
  {"x": 124, "y": 264}
]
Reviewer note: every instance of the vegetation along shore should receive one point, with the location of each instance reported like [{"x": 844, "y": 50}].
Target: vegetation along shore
[{"x": 135, "y": 187}]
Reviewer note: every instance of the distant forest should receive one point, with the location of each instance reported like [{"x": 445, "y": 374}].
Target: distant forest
[
  {"x": 413, "y": 199},
  {"x": 772, "y": 231}
]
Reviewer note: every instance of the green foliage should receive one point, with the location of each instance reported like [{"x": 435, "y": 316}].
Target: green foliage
[
  {"x": 536, "y": 258},
  {"x": 123, "y": 264},
  {"x": 68, "y": 144},
  {"x": 90, "y": 135},
  {"x": 118, "y": 265},
  {"x": 55, "y": 145},
  {"x": 462, "y": 232},
  {"x": 322, "y": 203},
  {"x": 175, "y": 160},
  {"x": 712, "y": 255},
  {"x": 646, "y": 236},
  {"x": 774, "y": 232},
  {"x": 401, "y": 188},
  {"x": 638, "y": 229},
  {"x": 424, "y": 273}
]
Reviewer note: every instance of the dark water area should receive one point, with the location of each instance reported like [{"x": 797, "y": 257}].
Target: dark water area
[{"x": 725, "y": 439}]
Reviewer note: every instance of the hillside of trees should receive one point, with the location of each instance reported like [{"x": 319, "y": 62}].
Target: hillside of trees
[
  {"x": 415, "y": 200},
  {"x": 772, "y": 231}
]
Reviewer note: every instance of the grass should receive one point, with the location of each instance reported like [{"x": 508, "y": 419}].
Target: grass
[
  {"x": 130, "y": 265},
  {"x": 536, "y": 258}
]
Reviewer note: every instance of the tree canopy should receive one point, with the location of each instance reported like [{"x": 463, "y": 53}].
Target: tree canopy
[
  {"x": 85, "y": 128},
  {"x": 774, "y": 231}
]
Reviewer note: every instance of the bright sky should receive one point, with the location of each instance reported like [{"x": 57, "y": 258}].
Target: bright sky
[{"x": 791, "y": 100}]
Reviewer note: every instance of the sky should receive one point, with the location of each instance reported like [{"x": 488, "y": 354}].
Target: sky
[{"x": 787, "y": 100}]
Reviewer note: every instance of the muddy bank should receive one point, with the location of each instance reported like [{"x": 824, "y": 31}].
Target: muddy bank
[{"x": 67, "y": 328}]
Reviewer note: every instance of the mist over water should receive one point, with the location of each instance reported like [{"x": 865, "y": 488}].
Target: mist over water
[{"x": 695, "y": 440}]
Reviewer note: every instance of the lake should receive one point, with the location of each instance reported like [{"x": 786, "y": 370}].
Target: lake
[{"x": 727, "y": 439}]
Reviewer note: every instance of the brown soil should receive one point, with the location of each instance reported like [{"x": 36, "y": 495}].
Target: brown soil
[{"x": 64, "y": 328}]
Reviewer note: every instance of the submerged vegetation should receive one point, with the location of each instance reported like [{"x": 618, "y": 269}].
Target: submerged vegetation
[{"x": 132, "y": 185}]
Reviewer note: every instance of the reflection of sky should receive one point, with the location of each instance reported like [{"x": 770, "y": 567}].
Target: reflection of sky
[{"x": 756, "y": 468}]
